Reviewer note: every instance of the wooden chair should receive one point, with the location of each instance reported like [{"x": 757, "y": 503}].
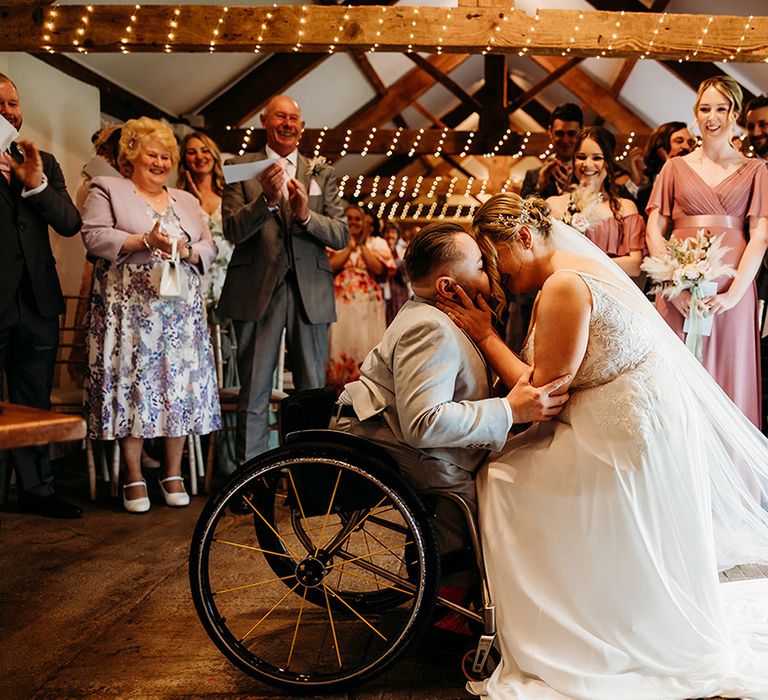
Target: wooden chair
[
  {"x": 230, "y": 396},
  {"x": 67, "y": 394}
]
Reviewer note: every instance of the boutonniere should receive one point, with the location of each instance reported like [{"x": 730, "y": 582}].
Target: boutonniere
[{"x": 315, "y": 165}]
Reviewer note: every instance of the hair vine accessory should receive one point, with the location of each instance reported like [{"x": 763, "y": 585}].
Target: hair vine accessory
[{"x": 511, "y": 221}]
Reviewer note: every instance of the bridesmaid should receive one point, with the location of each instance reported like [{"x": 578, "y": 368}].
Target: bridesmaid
[
  {"x": 718, "y": 189},
  {"x": 593, "y": 205}
]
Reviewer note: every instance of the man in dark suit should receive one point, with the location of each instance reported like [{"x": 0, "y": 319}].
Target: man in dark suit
[
  {"x": 33, "y": 197},
  {"x": 279, "y": 276},
  {"x": 550, "y": 179}
]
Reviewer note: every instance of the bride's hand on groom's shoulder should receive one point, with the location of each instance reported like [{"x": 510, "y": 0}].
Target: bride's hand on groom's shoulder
[{"x": 473, "y": 317}]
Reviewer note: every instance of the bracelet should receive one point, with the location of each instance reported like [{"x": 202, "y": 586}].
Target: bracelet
[{"x": 145, "y": 240}]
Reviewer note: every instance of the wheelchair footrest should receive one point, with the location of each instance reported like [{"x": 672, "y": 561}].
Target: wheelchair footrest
[{"x": 484, "y": 647}]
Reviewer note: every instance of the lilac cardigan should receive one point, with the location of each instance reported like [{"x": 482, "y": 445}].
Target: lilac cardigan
[{"x": 113, "y": 210}]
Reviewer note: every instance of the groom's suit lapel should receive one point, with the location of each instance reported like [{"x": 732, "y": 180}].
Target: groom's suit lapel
[{"x": 488, "y": 375}]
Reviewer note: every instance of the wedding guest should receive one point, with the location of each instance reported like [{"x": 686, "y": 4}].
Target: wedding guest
[
  {"x": 150, "y": 366},
  {"x": 666, "y": 141},
  {"x": 552, "y": 178},
  {"x": 396, "y": 288},
  {"x": 33, "y": 197},
  {"x": 201, "y": 174},
  {"x": 360, "y": 310},
  {"x": 717, "y": 189},
  {"x": 593, "y": 205},
  {"x": 279, "y": 277},
  {"x": 757, "y": 126}
]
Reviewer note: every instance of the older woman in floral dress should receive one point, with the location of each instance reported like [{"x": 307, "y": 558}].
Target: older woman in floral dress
[{"x": 150, "y": 364}]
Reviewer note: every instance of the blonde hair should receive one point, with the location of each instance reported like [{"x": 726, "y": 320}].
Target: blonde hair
[
  {"x": 135, "y": 133},
  {"x": 498, "y": 222},
  {"x": 217, "y": 174},
  {"x": 726, "y": 86}
]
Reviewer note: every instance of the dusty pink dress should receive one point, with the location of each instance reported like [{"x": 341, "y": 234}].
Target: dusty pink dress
[
  {"x": 615, "y": 241},
  {"x": 732, "y": 353}
]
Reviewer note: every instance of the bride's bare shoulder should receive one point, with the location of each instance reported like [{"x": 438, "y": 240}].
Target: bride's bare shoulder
[{"x": 565, "y": 284}]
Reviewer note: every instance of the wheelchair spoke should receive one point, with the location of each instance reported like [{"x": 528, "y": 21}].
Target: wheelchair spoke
[
  {"x": 267, "y": 614},
  {"x": 296, "y": 628},
  {"x": 330, "y": 506},
  {"x": 384, "y": 550},
  {"x": 252, "y": 548},
  {"x": 377, "y": 582},
  {"x": 252, "y": 585},
  {"x": 301, "y": 507},
  {"x": 373, "y": 537},
  {"x": 353, "y": 611},
  {"x": 333, "y": 627},
  {"x": 269, "y": 525},
  {"x": 332, "y": 549}
]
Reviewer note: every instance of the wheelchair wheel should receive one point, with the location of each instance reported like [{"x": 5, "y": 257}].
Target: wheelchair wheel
[{"x": 327, "y": 580}]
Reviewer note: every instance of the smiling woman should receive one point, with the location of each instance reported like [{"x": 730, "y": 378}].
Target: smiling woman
[
  {"x": 150, "y": 365},
  {"x": 717, "y": 189},
  {"x": 592, "y": 205}
]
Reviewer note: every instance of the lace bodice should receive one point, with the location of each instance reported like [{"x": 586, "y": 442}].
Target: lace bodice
[{"x": 618, "y": 338}]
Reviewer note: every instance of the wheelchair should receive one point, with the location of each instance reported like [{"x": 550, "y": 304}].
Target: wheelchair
[{"x": 316, "y": 567}]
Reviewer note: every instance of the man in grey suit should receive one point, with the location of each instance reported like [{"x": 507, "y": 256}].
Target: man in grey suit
[
  {"x": 425, "y": 391},
  {"x": 279, "y": 275},
  {"x": 33, "y": 196}
]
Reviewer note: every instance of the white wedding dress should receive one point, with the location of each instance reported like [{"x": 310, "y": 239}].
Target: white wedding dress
[{"x": 604, "y": 529}]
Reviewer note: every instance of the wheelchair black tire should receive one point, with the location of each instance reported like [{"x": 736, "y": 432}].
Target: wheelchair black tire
[{"x": 406, "y": 622}]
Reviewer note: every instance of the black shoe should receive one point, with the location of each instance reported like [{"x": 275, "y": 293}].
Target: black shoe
[
  {"x": 51, "y": 506},
  {"x": 441, "y": 642}
]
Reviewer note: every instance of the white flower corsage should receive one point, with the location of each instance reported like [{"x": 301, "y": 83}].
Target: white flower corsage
[{"x": 315, "y": 165}]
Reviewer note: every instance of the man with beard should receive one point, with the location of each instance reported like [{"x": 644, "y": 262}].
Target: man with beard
[
  {"x": 666, "y": 141},
  {"x": 551, "y": 179},
  {"x": 281, "y": 222},
  {"x": 757, "y": 126},
  {"x": 33, "y": 196}
]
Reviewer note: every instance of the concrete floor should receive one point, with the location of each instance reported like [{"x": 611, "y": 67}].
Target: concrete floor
[{"x": 100, "y": 607}]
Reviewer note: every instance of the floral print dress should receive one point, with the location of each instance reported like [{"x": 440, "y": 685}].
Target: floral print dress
[
  {"x": 213, "y": 280},
  {"x": 360, "y": 315},
  {"x": 150, "y": 369}
]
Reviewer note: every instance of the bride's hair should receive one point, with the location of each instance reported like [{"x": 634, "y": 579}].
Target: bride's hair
[{"x": 498, "y": 222}]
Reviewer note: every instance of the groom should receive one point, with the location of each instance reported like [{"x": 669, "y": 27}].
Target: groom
[{"x": 425, "y": 391}]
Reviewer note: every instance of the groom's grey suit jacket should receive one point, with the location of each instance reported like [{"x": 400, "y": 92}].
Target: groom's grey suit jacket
[
  {"x": 267, "y": 245},
  {"x": 431, "y": 385}
]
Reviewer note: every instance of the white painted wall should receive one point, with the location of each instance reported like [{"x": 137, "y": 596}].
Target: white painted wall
[{"x": 60, "y": 114}]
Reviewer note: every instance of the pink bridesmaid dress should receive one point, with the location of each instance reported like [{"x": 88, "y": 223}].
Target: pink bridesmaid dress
[
  {"x": 615, "y": 241},
  {"x": 731, "y": 353}
]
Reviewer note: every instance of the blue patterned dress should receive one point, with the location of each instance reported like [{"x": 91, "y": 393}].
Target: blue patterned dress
[{"x": 150, "y": 366}]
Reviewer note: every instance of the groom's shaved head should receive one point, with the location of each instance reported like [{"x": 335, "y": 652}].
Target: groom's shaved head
[{"x": 431, "y": 249}]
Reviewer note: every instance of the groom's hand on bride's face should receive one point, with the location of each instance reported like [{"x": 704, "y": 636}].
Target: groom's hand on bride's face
[{"x": 532, "y": 404}]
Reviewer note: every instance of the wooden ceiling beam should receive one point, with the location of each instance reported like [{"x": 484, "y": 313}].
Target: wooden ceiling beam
[
  {"x": 114, "y": 100},
  {"x": 441, "y": 139},
  {"x": 251, "y": 93},
  {"x": 445, "y": 80},
  {"x": 315, "y": 29},
  {"x": 589, "y": 91},
  {"x": 524, "y": 98},
  {"x": 693, "y": 73},
  {"x": 401, "y": 94},
  {"x": 376, "y": 83}
]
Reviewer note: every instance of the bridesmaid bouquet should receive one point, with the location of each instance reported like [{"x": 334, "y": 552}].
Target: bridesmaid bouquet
[{"x": 691, "y": 264}]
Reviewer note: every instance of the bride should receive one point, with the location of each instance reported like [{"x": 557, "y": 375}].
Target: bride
[{"x": 604, "y": 529}]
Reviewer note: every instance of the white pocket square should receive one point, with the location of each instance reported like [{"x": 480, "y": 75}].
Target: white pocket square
[{"x": 314, "y": 188}]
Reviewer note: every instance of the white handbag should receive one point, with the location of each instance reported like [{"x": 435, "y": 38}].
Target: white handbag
[{"x": 173, "y": 280}]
